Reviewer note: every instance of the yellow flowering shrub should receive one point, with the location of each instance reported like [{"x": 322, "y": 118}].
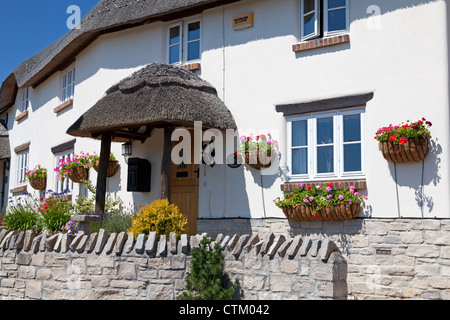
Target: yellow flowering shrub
[{"x": 159, "y": 216}]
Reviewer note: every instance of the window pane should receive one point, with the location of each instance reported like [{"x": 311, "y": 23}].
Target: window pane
[
  {"x": 299, "y": 133},
  {"x": 352, "y": 128},
  {"x": 174, "y": 35},
  {"x": 324, "y": 130},
  {"x": 194, "y": 31},
  {"x": 309, "y": 5},
  {"x": 336, "y": 3},
  {"x": 174, "y": 54},
  {"x": 337, "y": 20},
  {"x": 309, "y": 24},
  {"x": 300, "y": 161},
  {"x": 352, "y": 157},
  {"x": 193, "y": 50},
  {"x": 325, "y": 159}
]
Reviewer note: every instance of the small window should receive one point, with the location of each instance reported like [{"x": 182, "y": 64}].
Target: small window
[
  {"x": 327, "y": 145},
  {"x": 321, "y": 18},
  {"x": 184, "y": 42},
  {"x": 62, "y": 185},
  {"x": 68, "y": 85},
  {"x": 25, "y": 102},
  {"x": 22, "y": 166}
]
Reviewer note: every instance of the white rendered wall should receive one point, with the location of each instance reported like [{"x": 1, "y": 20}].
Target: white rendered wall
[{"x": 404, "y": 62}]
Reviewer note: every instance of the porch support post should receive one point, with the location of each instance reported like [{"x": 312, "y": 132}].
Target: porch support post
[
  {"x": 166, "y": 165},
  {"x": 105, "y": 150}
]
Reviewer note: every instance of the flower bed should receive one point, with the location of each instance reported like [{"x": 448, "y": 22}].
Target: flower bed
[
  {"x": 325, "y": 204},
  {"x": 406, "y": 142}
]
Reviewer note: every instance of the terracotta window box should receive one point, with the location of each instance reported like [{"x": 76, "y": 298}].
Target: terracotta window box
[
  {"x": 339, "y": 185},
  {"x": 321, "y": 43},
  {"x": 22, "y": 116},
  {"x": 193, "y": 66},
  {"x": 63, "y": 106}
]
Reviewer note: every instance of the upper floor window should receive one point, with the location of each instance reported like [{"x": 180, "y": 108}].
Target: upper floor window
[
  {"x": 68, "y": 85},
  {"x": 184, "y": 42},
  {"x": 327, "y": 145},
  {"x": 22, "y": 166},
  {"x": 25, "y": 102},
  {"x": 321, "y": 18}
]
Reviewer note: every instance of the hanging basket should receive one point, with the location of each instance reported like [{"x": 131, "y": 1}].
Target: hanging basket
[
  {"x": 78, "y": 174},
  {"x": 38, "y": 183},
  {"x": 412, "y": 151},
  {"x": 337, "y": 212},
  {"x": 258, "y": 160},
  {"x": 113, "y": 167}
]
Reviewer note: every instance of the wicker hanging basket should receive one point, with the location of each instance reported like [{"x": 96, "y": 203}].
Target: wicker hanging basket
[
  {"x": 113, "y": 167},
  {"x": 78, "y": 174},
  {"x": 412, "y": 151},
  {"x": 337, "y": 212},
  {"x": 258, "y": 160},
  {"x": 38, "y": 183}
]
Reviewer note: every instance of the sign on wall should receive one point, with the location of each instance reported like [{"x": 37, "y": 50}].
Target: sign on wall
[{"x": 243, "y": 21}]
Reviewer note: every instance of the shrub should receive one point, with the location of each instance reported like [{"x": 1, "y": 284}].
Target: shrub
[
  {"x": 159, "y": 216},
  {"x": 55, "y": 213},
  {"x": 22, "y": 218},
  {"x": 114, "y": 222},
  {"x": 207, "y": 280}
]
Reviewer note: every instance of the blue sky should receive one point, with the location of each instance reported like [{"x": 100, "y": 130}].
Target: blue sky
[{"x": 28, "y": 26}]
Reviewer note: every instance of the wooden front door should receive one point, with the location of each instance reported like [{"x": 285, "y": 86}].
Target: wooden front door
[{"x": 185, "y": 182}]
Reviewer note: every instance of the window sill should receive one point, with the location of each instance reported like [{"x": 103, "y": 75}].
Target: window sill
[
  {"x": 20, "y": 189},
  {"x": 359, "y": 184},
  {"x": 321, "y": 43},
  {"x": 63, "y": 106},
  {"x": 22, "y": 116},
  {"x": 192, "y": 66}
]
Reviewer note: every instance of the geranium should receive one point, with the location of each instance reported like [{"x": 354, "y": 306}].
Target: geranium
[
  {"x": 96, "y": 158},
  {"x": 401, "y": 133},
  {"x": 79, "y": 160},
  {"x": 37, "y": 172},
  {"x": 261, "y": 142},
  {"x": 319, "y": 197}
]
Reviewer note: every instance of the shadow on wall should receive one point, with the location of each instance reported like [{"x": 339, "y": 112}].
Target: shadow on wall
[{"x": 418, "y": 175}]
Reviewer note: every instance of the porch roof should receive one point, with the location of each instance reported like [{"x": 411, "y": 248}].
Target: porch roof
[{"x": 155, "y": 96}]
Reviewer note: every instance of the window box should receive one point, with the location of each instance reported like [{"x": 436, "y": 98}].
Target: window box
[{"x": 337, "y": 212}]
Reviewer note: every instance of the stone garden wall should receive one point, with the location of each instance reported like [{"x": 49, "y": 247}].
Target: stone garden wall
[
  {"x": 102, "y": 266},
  {"x": 387, "y": 258}
]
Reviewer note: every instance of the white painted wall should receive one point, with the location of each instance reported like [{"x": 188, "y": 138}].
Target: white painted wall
[{"x": 405, "y": 62}]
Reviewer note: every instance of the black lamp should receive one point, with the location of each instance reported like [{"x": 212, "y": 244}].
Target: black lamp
[{"x": 127, "y": 149}]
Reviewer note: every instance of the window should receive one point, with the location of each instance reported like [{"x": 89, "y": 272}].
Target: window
[
  {"x": 63, "y": 184},
  {"x": 327, "y": 145},
  {"x": 184, "y": 43},
  {"x": 22, "y": 166},
  {"x": 25, "y": 102},
  {"x": 321, "y": 18},
  {"x": 68, "y": 85}
]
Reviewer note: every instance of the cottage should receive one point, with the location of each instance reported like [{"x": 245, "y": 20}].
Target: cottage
[{"x": 319, "y": 76}]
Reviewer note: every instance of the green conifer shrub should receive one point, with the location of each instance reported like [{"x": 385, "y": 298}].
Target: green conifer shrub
[{"x": 207, "y": 280}]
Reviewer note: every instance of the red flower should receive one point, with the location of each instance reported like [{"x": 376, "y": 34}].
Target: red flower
[
  {"x": 309, "y": 187},
  {"x": 420, "y": 122},
  {"x": 330, "y": 185},
  {"x": 392, "y": 138},
  {"x": 45, "y": 207},
  {"x": 405, "y": 126},
  {"x": 403, "y": 140}
]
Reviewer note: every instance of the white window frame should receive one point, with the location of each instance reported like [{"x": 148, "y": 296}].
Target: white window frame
[
  {"x": 25, "y": 102},
  {"x": 60, "y": 186},
  {"x": 322, "y": 15},
  {"x": 338, "y": 145},
  {"x": 68, "y": 84},
  {"x": 23, "y": 158},
  {"x": 183, "y": 27},
  {"x": 325, "y": 19}
]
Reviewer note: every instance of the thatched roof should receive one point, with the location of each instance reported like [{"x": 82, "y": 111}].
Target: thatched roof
[
  {"x": 5, "y": 151},
  {"x": 155, "y": 95},
  {"x": 106, "y": 17}
]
